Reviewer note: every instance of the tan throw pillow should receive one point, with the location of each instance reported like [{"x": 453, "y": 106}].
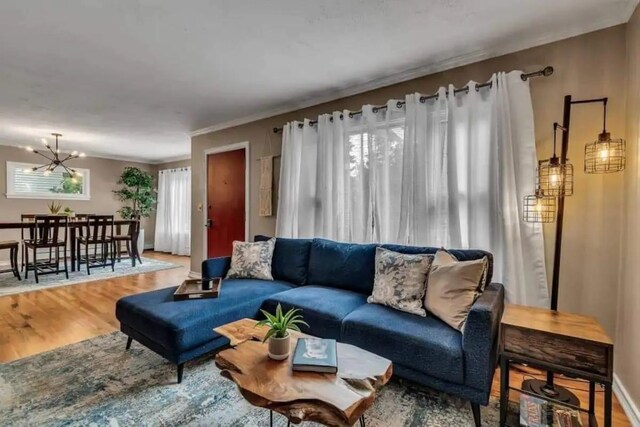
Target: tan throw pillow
[
  {"x": 452, "y": 287},
  {"x": 251, "y": 260},
  {"x": 400, "y": 281}
]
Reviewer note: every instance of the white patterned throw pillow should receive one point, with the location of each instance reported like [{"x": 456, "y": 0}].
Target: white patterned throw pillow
[
  {"x": 400, "y": 281},
  {"x": 252, "y": 260}
]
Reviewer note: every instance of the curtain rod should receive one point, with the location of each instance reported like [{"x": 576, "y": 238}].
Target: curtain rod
[{"x": 545, "y": 72}]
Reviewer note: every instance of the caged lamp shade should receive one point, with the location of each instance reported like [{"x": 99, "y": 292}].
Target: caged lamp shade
[
  {"x": 539, "y": 208},
  {"x": 555, "y": 179},
  {"x": 605, "y": 155}
]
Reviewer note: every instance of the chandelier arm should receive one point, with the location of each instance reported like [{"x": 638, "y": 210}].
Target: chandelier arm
[
  {"x": 46, "y": 157},
  {"x": 40, "y": 167},
  {"x": 52, "y": 152},
  {"x": 69, "y": 171},
  {"x": 69, "y": 156}
]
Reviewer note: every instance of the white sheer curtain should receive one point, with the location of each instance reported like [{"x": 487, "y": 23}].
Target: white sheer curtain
[
  {"x": 173, "y": 215},
  {"x": 449, "y": 172}
]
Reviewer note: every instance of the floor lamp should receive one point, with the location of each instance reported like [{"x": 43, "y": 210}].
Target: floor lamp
[{"x": 553, "y": 184}]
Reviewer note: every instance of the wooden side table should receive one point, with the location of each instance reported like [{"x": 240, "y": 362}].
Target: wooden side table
[{"x": 557, "y": 342}]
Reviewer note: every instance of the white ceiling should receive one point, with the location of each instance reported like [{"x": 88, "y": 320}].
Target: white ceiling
[{"x": 134, "y": 78}]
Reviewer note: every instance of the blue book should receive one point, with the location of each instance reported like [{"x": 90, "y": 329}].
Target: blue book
[{"x": 315, "y": 355}]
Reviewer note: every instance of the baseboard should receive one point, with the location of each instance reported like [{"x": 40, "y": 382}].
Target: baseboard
[
  {"x": 195, "y": 275},
  {"x": 629, "y": 406}
]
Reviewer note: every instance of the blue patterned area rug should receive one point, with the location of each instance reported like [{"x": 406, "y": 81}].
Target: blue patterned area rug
[
  {"x": 10, "y": 285},
  {"x": 98, "y": 383}
]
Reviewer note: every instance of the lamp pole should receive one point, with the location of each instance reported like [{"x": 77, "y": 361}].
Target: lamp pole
[
  {"x": 533, "y": 385},
  {"x": 555, "y": 281}
]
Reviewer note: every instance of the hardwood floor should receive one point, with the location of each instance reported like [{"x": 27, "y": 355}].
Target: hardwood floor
[{"x": 38, "y": 321}]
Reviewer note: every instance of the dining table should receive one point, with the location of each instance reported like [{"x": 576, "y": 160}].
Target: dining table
[{"x": 73, "y": 226}]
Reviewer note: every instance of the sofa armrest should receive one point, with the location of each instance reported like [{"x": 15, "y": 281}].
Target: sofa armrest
[
  {"x": 215, "y": 267},
  {"x": 480, "y": 338}
]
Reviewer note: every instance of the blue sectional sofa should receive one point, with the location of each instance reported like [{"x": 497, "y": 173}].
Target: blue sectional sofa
[{"x": 330, "y": 282}]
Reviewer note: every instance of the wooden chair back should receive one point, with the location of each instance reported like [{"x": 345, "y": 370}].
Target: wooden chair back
[
  {"x": 99, "y": 228},
  {"x": 27, "y": 218},
  {"x": 50, "y": 229}
]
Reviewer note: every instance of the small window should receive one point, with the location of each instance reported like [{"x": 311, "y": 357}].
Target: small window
[{"x": 24, "y": 183}]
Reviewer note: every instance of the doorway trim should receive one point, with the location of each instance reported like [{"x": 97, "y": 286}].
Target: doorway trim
[{"x": 247, "y": 197}]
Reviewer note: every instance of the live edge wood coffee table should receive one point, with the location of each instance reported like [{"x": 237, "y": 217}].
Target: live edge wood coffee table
[{"x": 330, "y": 399}]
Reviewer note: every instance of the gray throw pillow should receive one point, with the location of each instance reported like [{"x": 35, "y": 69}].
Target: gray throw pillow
[
  {"x": 251, "y": 260},
  {"x": 400, "y": 281}
]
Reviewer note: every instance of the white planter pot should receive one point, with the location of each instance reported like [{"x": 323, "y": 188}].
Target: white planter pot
[
  {"x": 141, "y": 241},
  {"x": 279, "y": 348}
]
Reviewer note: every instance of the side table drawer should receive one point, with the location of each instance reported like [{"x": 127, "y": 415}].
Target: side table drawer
[{"x": 579, "y": 354}]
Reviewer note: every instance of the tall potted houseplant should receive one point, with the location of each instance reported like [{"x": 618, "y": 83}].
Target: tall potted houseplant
[{"x": 138, "y": 193}]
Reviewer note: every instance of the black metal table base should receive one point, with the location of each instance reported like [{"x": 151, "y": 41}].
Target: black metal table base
[
  {"x": 505, "y": 365},
  {"x": 362, "y": 422}
]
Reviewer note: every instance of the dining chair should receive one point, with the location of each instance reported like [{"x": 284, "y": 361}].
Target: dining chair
[
  {"x": 49, "y": 232},
  {"x": 128, "y": 238},
  {"x": 26, "y": 218},
  {"x": 13, "y": 246},
  {"x": 96, "y": 233}
]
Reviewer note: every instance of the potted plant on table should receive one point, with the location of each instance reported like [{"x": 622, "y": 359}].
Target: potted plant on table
[
  {"x": 278, "y": 334},
  {"x": 139, "y": 194}
]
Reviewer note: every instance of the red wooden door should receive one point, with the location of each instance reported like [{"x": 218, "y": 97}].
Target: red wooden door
[{"x": 225, "y": 201}]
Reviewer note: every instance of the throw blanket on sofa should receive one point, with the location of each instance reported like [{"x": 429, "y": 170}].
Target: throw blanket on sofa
[{"x": 449, "y": 171}]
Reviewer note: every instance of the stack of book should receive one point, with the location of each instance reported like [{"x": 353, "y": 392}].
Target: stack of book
[
  {"x": 538, "y": 412},
  {"x": 315, "y": 355}
]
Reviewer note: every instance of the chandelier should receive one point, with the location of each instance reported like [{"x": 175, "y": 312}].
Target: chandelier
[{"x": 54, "y": 159}]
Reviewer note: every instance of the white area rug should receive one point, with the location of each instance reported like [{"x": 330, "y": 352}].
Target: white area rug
[{"x": 10, "y": 285}]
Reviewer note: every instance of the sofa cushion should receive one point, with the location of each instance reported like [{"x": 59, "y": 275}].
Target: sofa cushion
[
  {"x": 290, "y": 259},
  {"x": 401, "y": 281},
  {"x": 425, "y": 344},
  {"x": 348, "y": 266},
  {"x": 181, "y": 325},
  {"x": 323, "y": 308},
  {"x": 251, "y": 260},
  {"x": 460, "y": 254},
  {"x": 453, "y": 287}
]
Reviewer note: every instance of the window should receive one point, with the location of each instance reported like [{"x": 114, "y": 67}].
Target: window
[{"x": 24, "y": 183}]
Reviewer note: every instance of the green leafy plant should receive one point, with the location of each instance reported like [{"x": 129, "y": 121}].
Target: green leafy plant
[
  {"x": 280, "y": 323},
  {"x": 54, "y": 207},
  {"x": 138, "y": 192},
  {"x": 69, "y": 185}
]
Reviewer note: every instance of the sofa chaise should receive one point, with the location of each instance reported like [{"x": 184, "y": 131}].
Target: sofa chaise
[{"x": 330, "y": 282}]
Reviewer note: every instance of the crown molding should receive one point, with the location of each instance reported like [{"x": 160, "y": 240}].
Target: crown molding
[
  {"x": 631, "y": 7},
  {"x": 171, "y": 160},
  {"x": 427, "y": 69},
  {"x": 114, "y": 156}
]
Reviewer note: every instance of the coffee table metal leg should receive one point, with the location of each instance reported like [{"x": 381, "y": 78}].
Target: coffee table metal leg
[
  {"x": 362, "y": 424},
  {"x": 271, "y": 419}
]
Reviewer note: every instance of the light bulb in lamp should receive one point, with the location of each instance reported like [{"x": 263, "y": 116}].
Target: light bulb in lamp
[
  {"x": 554, "y": 176},
  {"x": 82, "y": 155},
  {"x": 47, "y": 172},
  {"x": 29, "y": 148}
]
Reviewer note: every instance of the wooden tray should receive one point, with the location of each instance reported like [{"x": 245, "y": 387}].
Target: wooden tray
[{"x": 192, "y": 289}]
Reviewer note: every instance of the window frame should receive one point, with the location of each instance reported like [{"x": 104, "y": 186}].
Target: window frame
[{"x": 12, "y": 194}]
